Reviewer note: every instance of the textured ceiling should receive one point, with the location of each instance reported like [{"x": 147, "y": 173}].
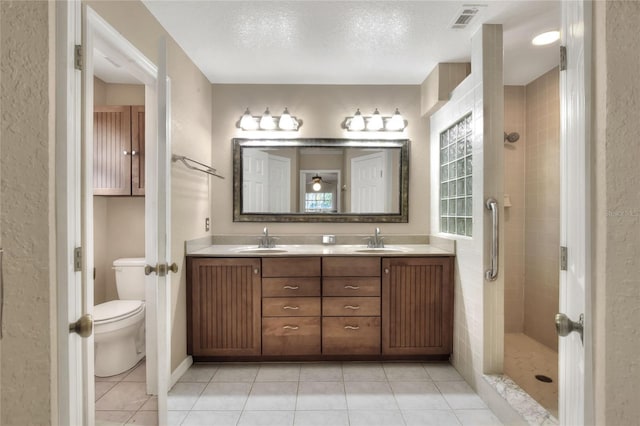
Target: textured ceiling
[{"x": 349, "y": 42}]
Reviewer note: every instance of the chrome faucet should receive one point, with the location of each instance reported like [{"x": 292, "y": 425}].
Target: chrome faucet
[
  {"x": 266, "y": 241},
  {"x": 376, "y": 241}
]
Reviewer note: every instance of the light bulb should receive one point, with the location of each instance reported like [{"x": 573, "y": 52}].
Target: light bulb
[
  {"x": 375, "y": 122},
  {"x": 247, "y": 122},
  {"x": 396, "y": 122},
  {"x": 546, "y": 38},
  {"x": 316, "y": 186},
  {"x": 357, "y": 122},
  {"x": 266, "y": 122},
  {"x": 286, "y": 121}
]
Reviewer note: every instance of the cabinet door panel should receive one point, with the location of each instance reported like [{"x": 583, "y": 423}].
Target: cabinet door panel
[
  {"x": 225, "y": 301},
  {"x": 417, "y": 306},
  {"x": 111, "y": 138},
  {"x": 137, "y": 146}
]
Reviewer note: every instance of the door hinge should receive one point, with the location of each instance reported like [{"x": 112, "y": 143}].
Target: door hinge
[
  {"x": 77, "y": 259},
  {"x": 78, "y": 61},
  {"x": 563, "y": 258},
  {"x": 563, "y": 58}
]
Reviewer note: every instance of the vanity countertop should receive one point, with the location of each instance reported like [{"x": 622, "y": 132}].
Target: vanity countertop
[{"x": 287, "y": 250}]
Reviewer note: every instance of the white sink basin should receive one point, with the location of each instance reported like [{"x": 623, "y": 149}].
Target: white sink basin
[
  {"x": 262, "y": 250},
  {"x": 381, "y": 250}
]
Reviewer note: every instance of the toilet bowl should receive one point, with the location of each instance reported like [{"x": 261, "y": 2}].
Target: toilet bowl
[{"x": 119, "y": 324}]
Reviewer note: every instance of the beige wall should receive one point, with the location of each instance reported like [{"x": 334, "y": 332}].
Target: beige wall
[
  {"x": 323, "y": 109},
  {"x": 191, "y": 136},
  {"x": 118, "y": 222},
  {"x": 616, "y": 213},
  {"x": 28, "y": 369},
  {"x": 514, "y": 170},
  {"x": 542, "y": 211}
]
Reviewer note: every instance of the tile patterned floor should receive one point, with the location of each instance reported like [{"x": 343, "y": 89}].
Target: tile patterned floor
[
  {"x": 122, "y": 399},
  {"x": 334, "y": 394},
  {"x": 524, "y": 357}
]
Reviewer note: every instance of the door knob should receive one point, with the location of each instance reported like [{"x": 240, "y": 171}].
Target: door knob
[
  {"x": 83, "y": 327},
  {"x": 161, "y": 269},
  {"x": 564, "y": 325}
]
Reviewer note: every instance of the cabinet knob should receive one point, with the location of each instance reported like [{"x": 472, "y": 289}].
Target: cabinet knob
[
  {"x": 134, "y": 152},
  {"x": 386, "y": 270},
  {"x": 256, "y": 271},
  {"x": 291, "y": 327},
  {"x": 351, "y": 327}
]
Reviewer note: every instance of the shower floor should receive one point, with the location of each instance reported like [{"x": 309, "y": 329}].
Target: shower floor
[{"x": 524, "y": 358}]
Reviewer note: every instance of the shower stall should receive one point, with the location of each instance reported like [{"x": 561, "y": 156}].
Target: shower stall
[{"x": 532, "y": 229}]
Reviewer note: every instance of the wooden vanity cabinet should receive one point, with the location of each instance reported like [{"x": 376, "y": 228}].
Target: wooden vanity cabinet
[
  {"x": 223, "y": 307},
  {"x": 291, "y": 306},
  {"x": 417, "y": 306},
  {"x": 351, "y": 306}
]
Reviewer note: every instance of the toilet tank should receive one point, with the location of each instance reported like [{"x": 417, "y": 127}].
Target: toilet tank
[{"x": 130, "y": 279}]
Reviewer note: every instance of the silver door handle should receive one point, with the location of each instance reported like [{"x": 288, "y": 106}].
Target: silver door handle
[
  {"x": 161, "y": 269},
  {"x": 491, "y": 274},
  {"x": 565, "y": 326},
  {"x": 83, "y": 327}
]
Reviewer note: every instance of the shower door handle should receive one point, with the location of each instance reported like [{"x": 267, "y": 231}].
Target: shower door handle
[{"x": 491, "y": 274}]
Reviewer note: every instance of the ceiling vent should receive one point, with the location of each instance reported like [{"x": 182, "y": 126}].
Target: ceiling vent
[{"x": 464, "y": 16}]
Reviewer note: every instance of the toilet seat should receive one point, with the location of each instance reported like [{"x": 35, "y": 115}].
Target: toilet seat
[{"x": 116, "y": 310}]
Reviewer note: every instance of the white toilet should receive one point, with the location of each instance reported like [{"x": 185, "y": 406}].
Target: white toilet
[{"x": 119, "y": 324}]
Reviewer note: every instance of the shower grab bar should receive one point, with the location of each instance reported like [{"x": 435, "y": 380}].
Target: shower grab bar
[
  {"x": 201, "y": 167},
  {"x": 491, "y": 274}
]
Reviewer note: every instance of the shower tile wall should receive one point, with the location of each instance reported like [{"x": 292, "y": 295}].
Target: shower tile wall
[
  {"x": 542, "y": 207},
  {"x": 514, "y": 185}
]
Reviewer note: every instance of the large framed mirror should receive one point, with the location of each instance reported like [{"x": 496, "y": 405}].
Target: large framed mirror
[{"x": 320, "y": 180}]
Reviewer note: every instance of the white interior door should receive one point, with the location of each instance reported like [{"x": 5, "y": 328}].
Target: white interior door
[
  {"x": 279, "y": 188},
  {"x": 368, "y": 186},
  {"x": 255, "y": 181},
  {"x": 574, "y": 136}
]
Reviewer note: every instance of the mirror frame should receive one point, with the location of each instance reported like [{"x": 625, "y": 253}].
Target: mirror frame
[{"x": 401, "y": 217}]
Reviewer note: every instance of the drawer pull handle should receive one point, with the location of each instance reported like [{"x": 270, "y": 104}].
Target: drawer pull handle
[
  {"x": 291, "y": 327},
  {"x": 291, "y": 287},
  {"x": 356, "y": 307},
  {"x": 352, "y": 287},
  {"x": 351, "y": 327},
  {"x": 295, "y": 308}
]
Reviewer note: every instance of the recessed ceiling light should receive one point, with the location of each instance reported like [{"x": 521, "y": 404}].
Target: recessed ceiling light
[{"x": 546, "y": 38}]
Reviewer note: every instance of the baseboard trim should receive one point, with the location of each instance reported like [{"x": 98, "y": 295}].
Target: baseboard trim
[{"x": 180, "y": 370}]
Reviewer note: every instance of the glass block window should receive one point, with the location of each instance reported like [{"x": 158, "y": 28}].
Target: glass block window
[
  {"x": 456, "y": 167},
  {"x": 318, "y": 202}
]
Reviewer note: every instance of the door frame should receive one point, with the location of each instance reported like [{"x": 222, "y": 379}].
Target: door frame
[{"x": 74, "y": 200}]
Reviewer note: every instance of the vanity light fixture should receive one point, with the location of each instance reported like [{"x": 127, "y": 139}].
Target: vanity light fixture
[
  {"x": 266, "y": 121},
  {"x": 317, "y": 183},
  {"x": 375, "y": 123}
]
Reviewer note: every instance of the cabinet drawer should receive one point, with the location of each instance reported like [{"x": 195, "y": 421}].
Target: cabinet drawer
[
  {"x": 291, "y": 267},
  {"x": 351, "y": 286},
  {"x": 291, "y": 307},
  {"x": 288, "y": 287},
  {"x": 351, "y": 306},
  {"x": 351, "y": 266},
  {"x": 291, "y": 336},
  {"x": 351, "y": 335}
]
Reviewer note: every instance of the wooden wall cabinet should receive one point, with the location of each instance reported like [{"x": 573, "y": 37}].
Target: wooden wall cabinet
[
  {"x": 417, "y": 306},
  {"x": 118, "y": 150},
  {"x": 223, "y": 307}
]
